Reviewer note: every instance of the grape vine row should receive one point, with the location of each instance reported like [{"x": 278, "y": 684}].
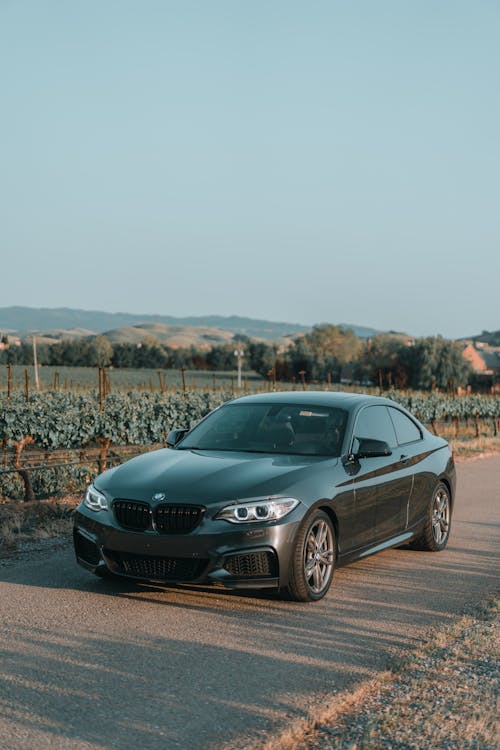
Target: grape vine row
[{"x": 54, "y": 420}]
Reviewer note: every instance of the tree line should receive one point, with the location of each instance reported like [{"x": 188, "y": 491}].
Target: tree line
[{"x": 327, "y": 353}]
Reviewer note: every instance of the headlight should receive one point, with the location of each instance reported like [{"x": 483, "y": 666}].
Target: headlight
[
  {"x": 267, "y": 509},
  {"x": 95, "y": 500}
]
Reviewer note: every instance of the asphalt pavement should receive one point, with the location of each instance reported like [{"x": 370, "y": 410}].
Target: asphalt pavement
[{"x": 86, "y": 663}]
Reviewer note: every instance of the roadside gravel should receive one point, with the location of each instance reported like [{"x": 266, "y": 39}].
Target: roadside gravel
[{"x": 444, "y": 695}]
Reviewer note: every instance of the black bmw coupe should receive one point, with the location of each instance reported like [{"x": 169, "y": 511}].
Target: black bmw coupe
[{"x": 271, "y": 491}]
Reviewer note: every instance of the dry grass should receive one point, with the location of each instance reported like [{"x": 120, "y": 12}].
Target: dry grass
[
  {"x": 444, "y": 695},
  {"x": 476, "y": 447},
  {"x": 466, "y": 444},
  {"x": 21, "y": 522}
]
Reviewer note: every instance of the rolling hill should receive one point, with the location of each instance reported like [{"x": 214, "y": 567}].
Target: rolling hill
[
  {"x": 48, "y": 321},
  {"x": 23, "y": 319}
]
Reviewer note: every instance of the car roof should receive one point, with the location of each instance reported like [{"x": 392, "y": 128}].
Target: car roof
[{"x": 338, "y": 399}]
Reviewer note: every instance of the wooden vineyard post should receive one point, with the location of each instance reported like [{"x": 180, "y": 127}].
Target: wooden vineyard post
[
  {"x": 35, "y": 364},
  {"x": 29, "y": 494},
  {"x": 26, "y": 385},
  {"x": 162, "y": 382},
  {"x": 100, "y": 387},
  {"x": 9, "y": 380},
  {"x": 103, "y": 453},
  {"x": 107, "y": 383},
  {"x": 302, "y": 374},
  {"x": 183, "y": 375}
]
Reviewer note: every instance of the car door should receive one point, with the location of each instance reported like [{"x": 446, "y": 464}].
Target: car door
[
  {"x": 382, "y": 485},
  {"x": 413, "y": 451}
]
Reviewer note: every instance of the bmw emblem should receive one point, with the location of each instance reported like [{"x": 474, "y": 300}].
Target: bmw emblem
[{"x": 159, "y": 496}]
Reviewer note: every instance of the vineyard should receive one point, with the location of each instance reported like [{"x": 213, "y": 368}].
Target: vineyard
[
  {"x": 54, "y": 441},
  {"x": 85, "y": 379}
]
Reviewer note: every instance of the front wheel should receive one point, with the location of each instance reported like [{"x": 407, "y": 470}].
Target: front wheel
[
  {"x": 313, "y": 559},
  {"x": 436, "y": 531}
]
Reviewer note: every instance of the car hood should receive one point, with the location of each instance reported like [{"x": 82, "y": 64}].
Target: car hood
[{"x": 207, "y": 477}]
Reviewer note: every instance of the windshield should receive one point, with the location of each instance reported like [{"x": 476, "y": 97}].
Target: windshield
[{"x": 271, "y": 428}]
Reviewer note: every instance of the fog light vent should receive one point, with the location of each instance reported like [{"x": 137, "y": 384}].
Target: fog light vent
[
  {"x": 86, "y": 550},
  {"x": 252, "y": 565}
]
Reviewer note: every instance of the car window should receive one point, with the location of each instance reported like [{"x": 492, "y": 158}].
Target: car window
[
  {"x": 295, "y": 429},
  {"x": 374, "y": 423},
  {"x": 406, "y": 430}
]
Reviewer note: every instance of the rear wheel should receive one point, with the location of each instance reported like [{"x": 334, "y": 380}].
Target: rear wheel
[
  {"x": 436, "y": 531},
  {"x": 313, "y": 559}
]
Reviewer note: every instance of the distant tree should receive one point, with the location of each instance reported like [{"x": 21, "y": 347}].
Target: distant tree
[
  {"x": 434, "y": 362},
  {"x": 75, "y": 353},
  {"x": 380, "y": 361},
  {"x": 324, "y": 351},
  {"x": 151, "y": 355},
  {"x": 261, "y": 357},
  {"x": 124, "y": 355},
  {"x": 23, "y": 354},
  {"x": 104, "y": 350},
  {"x": 222, "y": 357},
  {"x": 492, "y": 338}
]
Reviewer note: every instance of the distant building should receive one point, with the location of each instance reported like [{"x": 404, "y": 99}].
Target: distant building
[{"x": 485, "y": 361}]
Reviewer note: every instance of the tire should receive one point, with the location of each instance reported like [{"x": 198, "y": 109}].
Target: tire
[
  {"x": 436, "y": 531},
  {"x": 313, "y": 559}
]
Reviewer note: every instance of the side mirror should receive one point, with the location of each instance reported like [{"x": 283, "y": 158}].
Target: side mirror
[
  {"x": 368, "y": 448},
  {"x": 175, "y": 436}
]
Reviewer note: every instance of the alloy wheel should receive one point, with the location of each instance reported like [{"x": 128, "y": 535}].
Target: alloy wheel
[
  {"x": 319, "y": 556},
  {"x": 441, "y": 516}
]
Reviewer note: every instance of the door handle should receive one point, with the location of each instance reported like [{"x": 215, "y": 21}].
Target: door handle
[{"x": 404, "y": 459}]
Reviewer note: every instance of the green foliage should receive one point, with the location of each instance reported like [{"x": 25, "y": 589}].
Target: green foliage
[
  {"x": 423, "y": 364},
  {"x": 435, "y": 362},
  {"x": 57, "y": 420},
  {"x": 261, "y": 357},
  {"x": 323, "y": 352},
  {"x": 380, "y": 361},
  {"x": 437, "y": 406}
]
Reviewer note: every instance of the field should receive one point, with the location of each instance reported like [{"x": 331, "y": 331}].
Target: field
[{"x": 84, "y": 379}]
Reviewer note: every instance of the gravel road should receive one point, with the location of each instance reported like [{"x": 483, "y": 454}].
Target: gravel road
[{"x": 91, "y": 664}]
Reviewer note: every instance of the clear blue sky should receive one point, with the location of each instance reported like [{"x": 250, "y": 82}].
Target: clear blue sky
[{"x": 299, "y": 161}]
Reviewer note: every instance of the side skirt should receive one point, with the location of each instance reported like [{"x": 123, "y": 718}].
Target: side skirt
[{"x": 396, "y": 541}]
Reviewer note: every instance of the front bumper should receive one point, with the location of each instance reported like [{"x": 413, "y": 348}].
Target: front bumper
[{"x": 219, "y": 552}]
